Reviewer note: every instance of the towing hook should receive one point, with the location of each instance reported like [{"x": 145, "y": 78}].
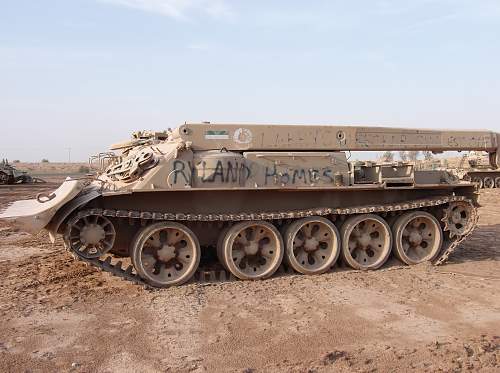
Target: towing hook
[{"x": 45, "y": 197}]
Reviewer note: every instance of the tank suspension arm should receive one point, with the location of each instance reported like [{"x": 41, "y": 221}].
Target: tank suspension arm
[{"x": 243, "y": 137}]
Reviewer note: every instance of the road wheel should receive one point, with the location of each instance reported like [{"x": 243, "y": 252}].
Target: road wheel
[
  {"x": 488, "y": 182},
  {"x": 417, "y": 237},
  {"x": 165, "y": 254},
  {"x": 366, "y": 241},
  {"x": 497, "y": 182},
  {"x": 220, "y": 247},
  {"x": 477, "y": 180},
  {"x": 4, "y": 178},
  {"x": 252, "y": 250},
  {"x": 312, "y": 245}
]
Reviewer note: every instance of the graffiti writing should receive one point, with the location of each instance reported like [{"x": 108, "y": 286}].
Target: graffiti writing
[
  {"x": 223, "y": 172},
  {"x": 299, "y": 175},
  {"x": 238, "y": 172}
]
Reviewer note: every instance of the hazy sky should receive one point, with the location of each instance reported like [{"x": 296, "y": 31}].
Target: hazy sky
[{"x": 86, "y": 73}]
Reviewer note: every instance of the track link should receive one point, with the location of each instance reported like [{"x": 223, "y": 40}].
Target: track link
[{"x": 129, "y": 274}]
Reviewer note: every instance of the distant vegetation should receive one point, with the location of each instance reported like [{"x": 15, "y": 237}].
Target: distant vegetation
[
  {"x": 413, "y": 155},
  {"x": 84, "y": 170},
  {"x": 16, "y": 161},
  {"x": 388, "y": 156},
  {"x": 428, "y": 155},
  {"x": 45, "y": 160}
]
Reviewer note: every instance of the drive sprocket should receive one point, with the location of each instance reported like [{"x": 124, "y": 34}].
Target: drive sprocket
[{"x": 459, "y": 218}]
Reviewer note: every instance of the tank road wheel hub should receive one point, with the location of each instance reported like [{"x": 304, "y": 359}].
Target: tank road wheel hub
[
  {"x": 366, "y": 241},
  {"x": 459, "y": 218},
  {"x": 165, "y": 254},
  {"x": 252, "y": 250},
  {"x": 312, "y": 245},
  {"x": 417, "y": 237},
  {"x": 90, "y": 236}
]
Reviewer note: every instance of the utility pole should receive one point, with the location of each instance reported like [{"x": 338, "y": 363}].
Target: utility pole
[{"x": 69, "y": 155}]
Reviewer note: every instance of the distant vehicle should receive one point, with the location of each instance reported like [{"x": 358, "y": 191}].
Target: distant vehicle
[
  {"x": 479, "y": 171},
  {"x": 10, "y": 175}
]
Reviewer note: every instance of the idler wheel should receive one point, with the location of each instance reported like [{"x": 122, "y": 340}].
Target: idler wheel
[
  {"x": 366, "y": 241},
  {"x": 497, "y": 182},
  {"x": 417, "y": 237},
  {"x": 90, "y": 236},
  {"x": 252, "y": 250},
  {"x": 312, "y": 245},
  {"x": 165, "y": 254},
  {"x": 488, "y": 182}
]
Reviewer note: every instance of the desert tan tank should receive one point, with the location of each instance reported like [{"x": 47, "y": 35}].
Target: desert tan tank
[
  {"x": 479, "y": 171},
  {"x": 243, "y": 199}
]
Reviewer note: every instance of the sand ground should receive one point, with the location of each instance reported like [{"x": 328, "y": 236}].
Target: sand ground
[{"x": 59, "y": 315}]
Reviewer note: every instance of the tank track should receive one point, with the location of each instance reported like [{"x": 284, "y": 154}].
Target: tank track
[{"x": 128, "y": 274}]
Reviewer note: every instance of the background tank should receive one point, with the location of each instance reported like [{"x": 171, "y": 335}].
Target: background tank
[
  {"x": 243, "y": 199},
  {"x": 10, "y": 175},
  {"x": 475, "y": 167}
]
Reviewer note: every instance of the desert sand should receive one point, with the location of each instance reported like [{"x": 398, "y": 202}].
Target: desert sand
[{"x": 60, "y": 315}]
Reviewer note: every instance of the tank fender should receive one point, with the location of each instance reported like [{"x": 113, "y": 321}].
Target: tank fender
[{"x": 65, "y": 211}]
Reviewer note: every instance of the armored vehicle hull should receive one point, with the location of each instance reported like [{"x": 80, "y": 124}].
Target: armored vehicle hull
[{"x": 242, "y": 200}]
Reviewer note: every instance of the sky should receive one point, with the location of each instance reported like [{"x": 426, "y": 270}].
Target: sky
[{"x": 83, "y": 74}]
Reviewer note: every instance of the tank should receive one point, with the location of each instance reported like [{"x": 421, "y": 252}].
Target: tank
[
  {"x": 215, "y": 201},
  {"x": 10, "y": 175},
  {"x": 479, "y": 171}
]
